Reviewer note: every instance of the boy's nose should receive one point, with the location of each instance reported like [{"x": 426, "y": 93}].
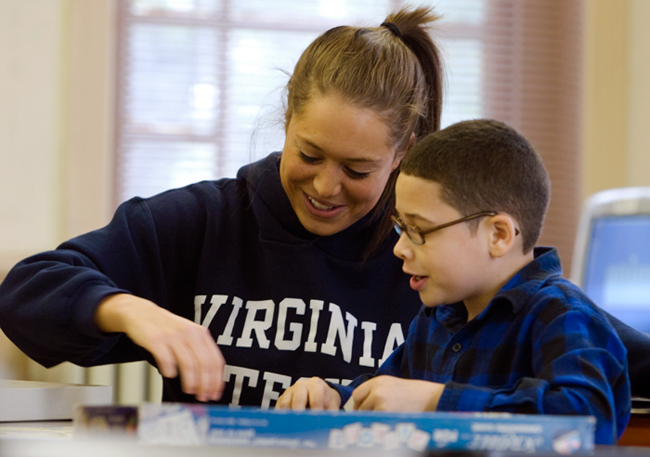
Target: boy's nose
[
  {"x": 402, "y": 249},
  {"x": 327, "y": 182}
]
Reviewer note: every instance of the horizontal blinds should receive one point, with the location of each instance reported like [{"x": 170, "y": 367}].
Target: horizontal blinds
[
  {"x": 533, "y": 55},
  {"x": 200, "y": 83}
]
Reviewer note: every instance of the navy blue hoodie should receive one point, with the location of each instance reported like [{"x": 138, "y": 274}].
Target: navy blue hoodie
[{"x": 280, "y": 302}]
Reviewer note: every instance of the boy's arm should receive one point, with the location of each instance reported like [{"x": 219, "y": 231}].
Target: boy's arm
[
  {"x": 580, "y": 368},
  {"x": 388, "y": 393},
  {"x": 314, "y": 393},
  {"x": 318, "y": 394},
  {"x": 392, "y": 389}
]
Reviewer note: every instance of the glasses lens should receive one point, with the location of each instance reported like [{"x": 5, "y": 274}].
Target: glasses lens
[
  {"x": 415, "y": 236},
  {"x": 397, "y": 228}
]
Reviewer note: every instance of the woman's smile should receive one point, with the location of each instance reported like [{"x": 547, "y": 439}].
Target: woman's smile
[{"x": 322, "y": 209}]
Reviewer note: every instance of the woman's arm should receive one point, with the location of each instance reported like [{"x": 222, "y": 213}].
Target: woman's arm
[
  {"x": 50, "y": 303},
  {"x": 179, "y": 346}
]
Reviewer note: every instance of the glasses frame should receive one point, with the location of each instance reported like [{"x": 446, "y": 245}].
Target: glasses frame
[{"x": 411, "y": 230}]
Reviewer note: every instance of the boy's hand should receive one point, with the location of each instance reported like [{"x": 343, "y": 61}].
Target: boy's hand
[
  {"x": 313, "y": 393},
  {"x": 388, "y": 393}
]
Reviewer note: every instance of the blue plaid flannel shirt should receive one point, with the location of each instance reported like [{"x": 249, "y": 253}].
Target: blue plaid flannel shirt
[{"x": 540, "y": 347}]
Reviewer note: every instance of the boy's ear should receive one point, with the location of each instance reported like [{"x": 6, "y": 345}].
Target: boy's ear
[{"x": 502, "y": 234}]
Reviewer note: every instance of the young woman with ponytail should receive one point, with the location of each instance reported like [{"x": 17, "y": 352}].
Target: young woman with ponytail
[{"x": 236, "y": 288}]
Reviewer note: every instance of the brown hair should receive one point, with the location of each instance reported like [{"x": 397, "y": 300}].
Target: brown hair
[
  {"x": 485, "y": 165},
  {"x": 393, "y": 69}
]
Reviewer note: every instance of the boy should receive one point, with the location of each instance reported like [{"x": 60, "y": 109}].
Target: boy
[{"x": 500, "y": 329}]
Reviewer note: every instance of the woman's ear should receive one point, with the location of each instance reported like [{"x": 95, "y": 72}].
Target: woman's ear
[
  {"x": 502, "y": 234},
  {"x": 400, "y": 155}
]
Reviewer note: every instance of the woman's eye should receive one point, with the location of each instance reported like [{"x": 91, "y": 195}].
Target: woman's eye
[
  {"x": 306, "y": 158},
  {"x": 349, "y": 171},
  {"x": 356, "y": 174}
]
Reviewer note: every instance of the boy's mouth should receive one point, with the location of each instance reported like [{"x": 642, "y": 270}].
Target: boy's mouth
[{"x": 417, "y": 282}]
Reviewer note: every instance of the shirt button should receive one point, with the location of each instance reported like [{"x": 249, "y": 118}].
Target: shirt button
[{"x": 457, "y": 347}]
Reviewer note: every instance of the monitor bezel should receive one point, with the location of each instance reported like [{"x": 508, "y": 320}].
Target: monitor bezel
[{"x": 628, "y": 201}]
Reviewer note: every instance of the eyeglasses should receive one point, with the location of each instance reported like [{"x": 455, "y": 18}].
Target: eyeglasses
[{"x": 417, "y": 236}]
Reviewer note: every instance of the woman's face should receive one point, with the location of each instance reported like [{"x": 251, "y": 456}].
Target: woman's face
[{"x": 335, "y": 163}]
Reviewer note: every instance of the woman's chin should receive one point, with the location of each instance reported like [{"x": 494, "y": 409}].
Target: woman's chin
[{"x": 324, "y": 227}]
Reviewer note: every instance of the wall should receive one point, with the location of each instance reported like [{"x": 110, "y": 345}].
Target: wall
[
  {"x": 55, "y": 132},
  {"x": 638, "y": 94},
  {"x": 31, "y": 110},
  {"x": 55, "y": 125},
  {"x": 616, "y": 136}
]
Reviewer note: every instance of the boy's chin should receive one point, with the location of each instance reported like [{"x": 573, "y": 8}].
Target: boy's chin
[
  {"x": 426, "y": 301},
  {"x": 433, "y": 301}
]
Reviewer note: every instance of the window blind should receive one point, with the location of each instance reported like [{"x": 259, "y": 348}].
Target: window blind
[
  {"x": 199, "y": 83},
  {"x": 533, "y": 69}
]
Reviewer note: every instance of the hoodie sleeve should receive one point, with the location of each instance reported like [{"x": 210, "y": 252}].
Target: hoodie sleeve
[{"x": 47, "y": 301}]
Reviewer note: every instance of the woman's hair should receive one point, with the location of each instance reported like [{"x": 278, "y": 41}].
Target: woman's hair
[{"x": 394, "y": 69}]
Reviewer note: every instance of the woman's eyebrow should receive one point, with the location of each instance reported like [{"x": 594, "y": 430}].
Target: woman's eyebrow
[
  {"x": 309, "y": 143},
  {"x": 363, "y": 160}
]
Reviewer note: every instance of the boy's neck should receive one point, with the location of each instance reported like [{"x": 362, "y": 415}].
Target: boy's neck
[{"x": 502, "y": 270}]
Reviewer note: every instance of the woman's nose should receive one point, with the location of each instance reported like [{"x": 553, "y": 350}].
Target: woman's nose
[{"x": 327, "y": 181}]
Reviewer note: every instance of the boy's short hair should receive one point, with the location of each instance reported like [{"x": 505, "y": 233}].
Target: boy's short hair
[{"x": 485, "y": 165}]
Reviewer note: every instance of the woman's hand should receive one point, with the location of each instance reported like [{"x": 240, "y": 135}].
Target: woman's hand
[
  {"x": 313, "y": 393},
  {"x": 388, "y": 393},
  {"x": 179, "y": 345}
]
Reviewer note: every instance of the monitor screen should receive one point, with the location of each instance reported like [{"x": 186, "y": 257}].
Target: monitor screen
[{"x": 617, "y": 268}]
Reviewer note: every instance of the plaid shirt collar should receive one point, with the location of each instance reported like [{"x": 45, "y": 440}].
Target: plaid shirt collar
[{"x": 524, "y": 284}]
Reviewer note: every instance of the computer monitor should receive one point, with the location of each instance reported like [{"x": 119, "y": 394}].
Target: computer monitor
[{"x": 611, "y": 258}]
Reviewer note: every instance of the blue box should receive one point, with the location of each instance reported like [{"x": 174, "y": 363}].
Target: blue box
[{"x": 198, "y": 424}]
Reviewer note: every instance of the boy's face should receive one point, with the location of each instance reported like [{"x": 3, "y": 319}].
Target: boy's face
[{"x": 452, "y": 264}]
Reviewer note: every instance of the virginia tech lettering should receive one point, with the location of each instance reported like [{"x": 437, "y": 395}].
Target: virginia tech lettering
[{"x": 258, "y": 318}]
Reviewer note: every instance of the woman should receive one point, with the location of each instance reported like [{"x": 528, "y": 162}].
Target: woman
[{"x": 237, "y": 288}]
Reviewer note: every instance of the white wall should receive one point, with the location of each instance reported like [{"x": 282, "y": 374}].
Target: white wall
[
  {"x": 616, "y": 134},
  {"x": 638, "y": 132},
  {"x": 55, "y": 122},
  {"x": 56, "y": 86},
  {"x": 31, "y": 64}
]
